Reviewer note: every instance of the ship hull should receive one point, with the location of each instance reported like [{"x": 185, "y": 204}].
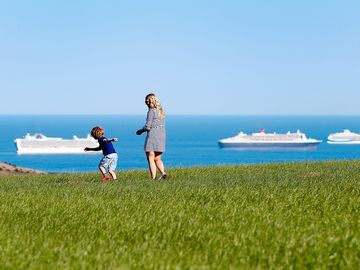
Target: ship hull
[
  {"x": 343, "y": 142},
  {"x": 32, "y": 151},
  {"x": 345, "y": 137},
  {"x": 265, "y": 145},
  {"x": 53, "y": 146}
]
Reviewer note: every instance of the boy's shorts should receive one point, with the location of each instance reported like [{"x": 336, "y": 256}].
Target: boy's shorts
[{"x": 109, "y": 161}]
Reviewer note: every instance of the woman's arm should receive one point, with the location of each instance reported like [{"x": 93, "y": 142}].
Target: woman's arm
[{"x": 149, "y": 120}]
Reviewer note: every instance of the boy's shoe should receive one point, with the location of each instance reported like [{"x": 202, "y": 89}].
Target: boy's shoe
[
  {"x": 104, "y": 179},
  {"x": 163, "y": 176}
]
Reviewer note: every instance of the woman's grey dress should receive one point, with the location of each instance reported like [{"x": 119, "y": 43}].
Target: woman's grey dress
[{"x": 156, "y": 133}]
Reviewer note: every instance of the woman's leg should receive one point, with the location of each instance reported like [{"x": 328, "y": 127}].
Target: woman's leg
[
  {"x": 158, "y": 162},
  {"x": 152, "y": 166}
]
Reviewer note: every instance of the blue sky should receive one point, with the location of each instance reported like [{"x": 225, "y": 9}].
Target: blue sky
[{"x": 200, "y": 57}]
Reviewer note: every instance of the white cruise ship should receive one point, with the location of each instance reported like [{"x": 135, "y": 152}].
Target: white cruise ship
[
  {"x": 263, "y": 140},
  {"x": 345, "y": 137},
  {"x": 40, "y": 144}
]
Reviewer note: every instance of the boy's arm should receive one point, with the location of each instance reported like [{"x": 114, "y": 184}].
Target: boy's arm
[
  {"x": 92, "y": 149},
  {"x": 111, "y": 140}
]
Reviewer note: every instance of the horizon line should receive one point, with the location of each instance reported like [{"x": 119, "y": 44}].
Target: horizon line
[{"x": 75, "y": 114}]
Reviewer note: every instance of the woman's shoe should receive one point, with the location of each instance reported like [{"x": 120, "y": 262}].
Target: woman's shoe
[{"x": 163, "y": 176}]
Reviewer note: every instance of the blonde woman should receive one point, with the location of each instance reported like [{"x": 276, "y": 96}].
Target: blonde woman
[{"x": 156, "y": 136}]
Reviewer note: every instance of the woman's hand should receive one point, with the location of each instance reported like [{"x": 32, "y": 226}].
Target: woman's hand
[{"x": 139, "y": 132}]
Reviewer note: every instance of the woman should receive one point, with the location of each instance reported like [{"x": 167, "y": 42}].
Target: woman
[{"x": 156, "y": 136}]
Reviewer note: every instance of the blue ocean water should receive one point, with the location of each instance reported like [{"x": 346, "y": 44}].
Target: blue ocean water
[{"x": 191, "y": 140}]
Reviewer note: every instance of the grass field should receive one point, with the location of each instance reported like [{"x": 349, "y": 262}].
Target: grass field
[{"x": 276, "y": 216}]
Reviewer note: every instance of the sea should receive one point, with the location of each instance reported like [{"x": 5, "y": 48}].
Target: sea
[{"x": 191, "y": 140}]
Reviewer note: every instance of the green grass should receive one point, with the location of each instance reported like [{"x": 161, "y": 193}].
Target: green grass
[{"x": 276, "y": 216}]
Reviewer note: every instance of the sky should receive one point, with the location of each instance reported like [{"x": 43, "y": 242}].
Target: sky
[{"x": 200, "y": 57}]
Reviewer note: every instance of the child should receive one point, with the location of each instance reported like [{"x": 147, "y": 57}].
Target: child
[{"x": 110, "y": 156}]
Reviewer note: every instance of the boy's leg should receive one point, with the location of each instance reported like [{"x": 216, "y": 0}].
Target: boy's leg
[
  {"x": 112, "y": 165},
  {"x": 113, "y": 174},
  {"x": 102, "y": 170}
]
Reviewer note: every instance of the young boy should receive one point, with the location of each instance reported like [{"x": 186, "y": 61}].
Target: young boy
[{"x": 110, "y": 156}]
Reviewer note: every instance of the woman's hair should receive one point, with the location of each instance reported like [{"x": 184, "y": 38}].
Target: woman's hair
[
  {"x": 97, "y": 132},
  {"x": 155, "y": 104}
]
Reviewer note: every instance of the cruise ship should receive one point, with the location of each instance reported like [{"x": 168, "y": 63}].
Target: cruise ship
[
  {"x": 40, "y": 144},
  {"x": 345, "y": 137},
  {"x": 263, "y": 140}
]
